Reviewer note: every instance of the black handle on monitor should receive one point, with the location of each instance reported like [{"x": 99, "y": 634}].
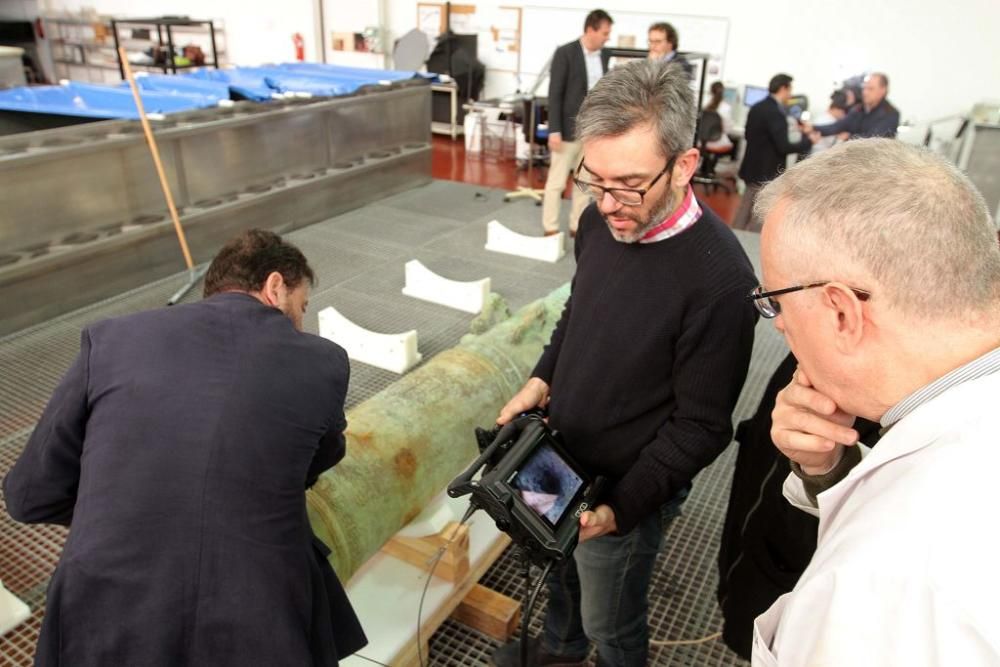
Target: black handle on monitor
[{"x": 463, "y": 484}]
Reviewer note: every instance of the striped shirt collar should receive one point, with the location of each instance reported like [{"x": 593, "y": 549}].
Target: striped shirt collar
[
  {"x": 985, "y": 365},
  {"x": 682, "y": 218}
]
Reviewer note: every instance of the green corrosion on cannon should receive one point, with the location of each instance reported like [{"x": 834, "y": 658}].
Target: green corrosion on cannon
[{"x": 406, "y": 443}]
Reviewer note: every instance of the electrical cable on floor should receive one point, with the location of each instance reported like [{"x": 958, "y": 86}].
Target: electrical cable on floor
[
  {"x": 685, "y": 642},
  {"x": 430, "y": 573},
  {"x": 529, "y": 602},
  {"x": 358, "y": 655}
]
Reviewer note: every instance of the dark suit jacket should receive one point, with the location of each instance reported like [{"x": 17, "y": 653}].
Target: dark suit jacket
[
  {"x": 767, "y": 142},
  {"x": 882, "y": 121},
  {"x": 568, "y": 87},
  {"x": 766, "y": 543},
  {"x": 177, "y": 448}
]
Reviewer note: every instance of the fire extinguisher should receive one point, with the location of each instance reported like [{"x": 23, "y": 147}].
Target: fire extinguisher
[{"x": 300, "y": 46}]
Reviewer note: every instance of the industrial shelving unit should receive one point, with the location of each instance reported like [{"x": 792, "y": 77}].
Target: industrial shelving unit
[
  {"x": 81, "y": 48},
  {"x": 85, "y": 49},
  {"x": 168, "y": 30}
]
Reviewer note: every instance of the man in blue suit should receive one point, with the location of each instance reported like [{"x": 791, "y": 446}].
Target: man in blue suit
[{"x": 178, "y": 448}]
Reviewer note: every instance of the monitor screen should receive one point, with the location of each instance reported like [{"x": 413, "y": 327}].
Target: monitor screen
[
  {"x": 547, "y": 484},
  {"x": 754, "y": 94},
  {"x": 731, "y": 95},
  {"x": 796, "y": 105}
]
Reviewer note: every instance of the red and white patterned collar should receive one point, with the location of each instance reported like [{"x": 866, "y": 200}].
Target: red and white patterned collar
[{"x": 682, "y": 218}]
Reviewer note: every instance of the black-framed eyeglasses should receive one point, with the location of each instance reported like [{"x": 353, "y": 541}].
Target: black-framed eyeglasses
[
  {"x": 769, "y": 307},
  {"x": 625, "y": 196}
]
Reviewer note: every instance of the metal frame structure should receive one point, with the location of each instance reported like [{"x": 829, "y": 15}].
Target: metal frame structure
[{"x": 166, "y": 24}]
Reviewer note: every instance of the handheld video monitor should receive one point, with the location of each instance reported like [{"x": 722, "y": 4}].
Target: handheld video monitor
[
  {"x": 531, "y": 487},
  {"x": 548, "y": 484}
]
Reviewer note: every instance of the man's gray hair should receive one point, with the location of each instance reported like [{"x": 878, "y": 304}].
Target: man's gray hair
[
  {"x": 896, "y": 213},
  {"x": 638, "y": 93}
]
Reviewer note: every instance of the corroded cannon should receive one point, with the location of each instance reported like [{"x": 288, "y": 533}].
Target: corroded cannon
[{"x": 406, "y": 443}]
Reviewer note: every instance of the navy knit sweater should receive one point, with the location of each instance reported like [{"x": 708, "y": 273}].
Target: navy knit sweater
[{"x": 649, "y": 357}]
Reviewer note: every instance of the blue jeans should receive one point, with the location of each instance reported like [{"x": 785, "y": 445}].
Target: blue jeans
[{"x": 601, "y": 594}]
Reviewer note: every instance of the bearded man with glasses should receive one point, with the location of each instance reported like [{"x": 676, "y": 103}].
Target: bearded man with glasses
[{"x": 645, "y": 365}]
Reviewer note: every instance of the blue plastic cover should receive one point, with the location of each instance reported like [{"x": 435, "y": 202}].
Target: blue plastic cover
[
  {"x": 168, "y": 83},
  {"x": 240, "y": 80},
  {"x": 165, "y": 93},
  {"x": 371, "y": 75},
  {"x": 95, "y": 101},
  {"x": 316, "y": 79}
]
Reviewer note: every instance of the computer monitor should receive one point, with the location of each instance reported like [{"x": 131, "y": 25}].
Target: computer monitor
[
  {"x": 731, "y": 94},
  {"x": 797, "y": 104},
  {"x": 754, "y": 94}
]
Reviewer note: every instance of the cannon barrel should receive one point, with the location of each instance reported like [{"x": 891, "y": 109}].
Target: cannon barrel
[{"x": 406, "y": 443}]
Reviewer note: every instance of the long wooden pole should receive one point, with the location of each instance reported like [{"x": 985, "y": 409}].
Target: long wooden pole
[{"x": 127, "y": 68}]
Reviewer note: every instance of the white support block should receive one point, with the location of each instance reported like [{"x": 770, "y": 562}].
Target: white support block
[
  {"x": 422, "y": 283},
  {"x": 543, "y": 248},
  {"x": 13, "y": 612},
  {"x": 392, "y": 352}
]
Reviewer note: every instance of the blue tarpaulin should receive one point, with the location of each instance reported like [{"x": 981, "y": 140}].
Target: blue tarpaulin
[
  {"x": 240, "y": 80},
  {"x": 321, "y": 80},
  {"x": 163, "y": 93},
  {"x": 94, "y": 101},
  {"x": 372, "y": 75},
  {"x": 168, "y": 83}
]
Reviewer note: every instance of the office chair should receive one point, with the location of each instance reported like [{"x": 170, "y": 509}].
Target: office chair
[{"x": 709, "y": 131}]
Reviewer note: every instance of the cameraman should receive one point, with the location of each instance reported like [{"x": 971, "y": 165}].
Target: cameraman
[{"x": 645, "y": 365}]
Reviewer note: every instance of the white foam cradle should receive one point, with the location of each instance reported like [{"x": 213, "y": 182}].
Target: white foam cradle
[
  {"x": 543, "y": 248},
  {"x": 422, "y": 283},
  {"x": 13, "y": 612},
  {"x": 392, "y": 352}
]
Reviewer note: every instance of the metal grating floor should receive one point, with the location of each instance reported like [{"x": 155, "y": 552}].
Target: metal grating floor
[{"x": 358, "y": 258}]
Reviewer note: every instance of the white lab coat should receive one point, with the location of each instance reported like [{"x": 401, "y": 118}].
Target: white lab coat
[{"x": 907, "y": 565}]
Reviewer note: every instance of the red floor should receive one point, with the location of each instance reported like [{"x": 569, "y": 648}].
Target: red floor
[{"x": 451, "y": 163}]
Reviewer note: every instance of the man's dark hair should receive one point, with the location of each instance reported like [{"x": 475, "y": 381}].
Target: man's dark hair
[
  {"x": 778, "y": 81},
  {"x": 595, "y": 19},
  {"x": 670, "y": 31},
  {"x": 718, "y": 91},
  {"x": 838, "y": 100},
  {"x": 244, "y": 263}
]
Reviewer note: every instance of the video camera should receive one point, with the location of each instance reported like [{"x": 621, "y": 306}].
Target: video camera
[{"x": 530, "y": 486}]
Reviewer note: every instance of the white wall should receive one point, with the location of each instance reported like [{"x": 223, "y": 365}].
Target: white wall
[
  {"x": 941, "y": 57},
  {"x": 256, "y": 32},
  {"x": 18, "y": 10}
]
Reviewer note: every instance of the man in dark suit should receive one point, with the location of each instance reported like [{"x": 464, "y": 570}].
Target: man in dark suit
[
  {"x": 576, "y": 67},
  {"x": 178, "y": 448},
  {"x": 767, "y": 147}
]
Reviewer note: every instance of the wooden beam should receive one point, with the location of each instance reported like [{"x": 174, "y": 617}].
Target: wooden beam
[
  {"x": 408, "y": 655},
  {"x": 421, "y": 551},
  {"x": 491, "y": 613}
]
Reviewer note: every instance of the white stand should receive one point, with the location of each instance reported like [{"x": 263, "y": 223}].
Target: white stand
[
  {"x": 385, "y": 592},
  {"x": 392, "y": 352},
  {"x": 543, "y": 248},
  {"x": 422, "y": 283},
  {"x": 13, "y": 612}
]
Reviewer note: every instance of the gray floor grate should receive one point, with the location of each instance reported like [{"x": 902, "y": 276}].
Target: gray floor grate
[{"x": 358, "y": 257}]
